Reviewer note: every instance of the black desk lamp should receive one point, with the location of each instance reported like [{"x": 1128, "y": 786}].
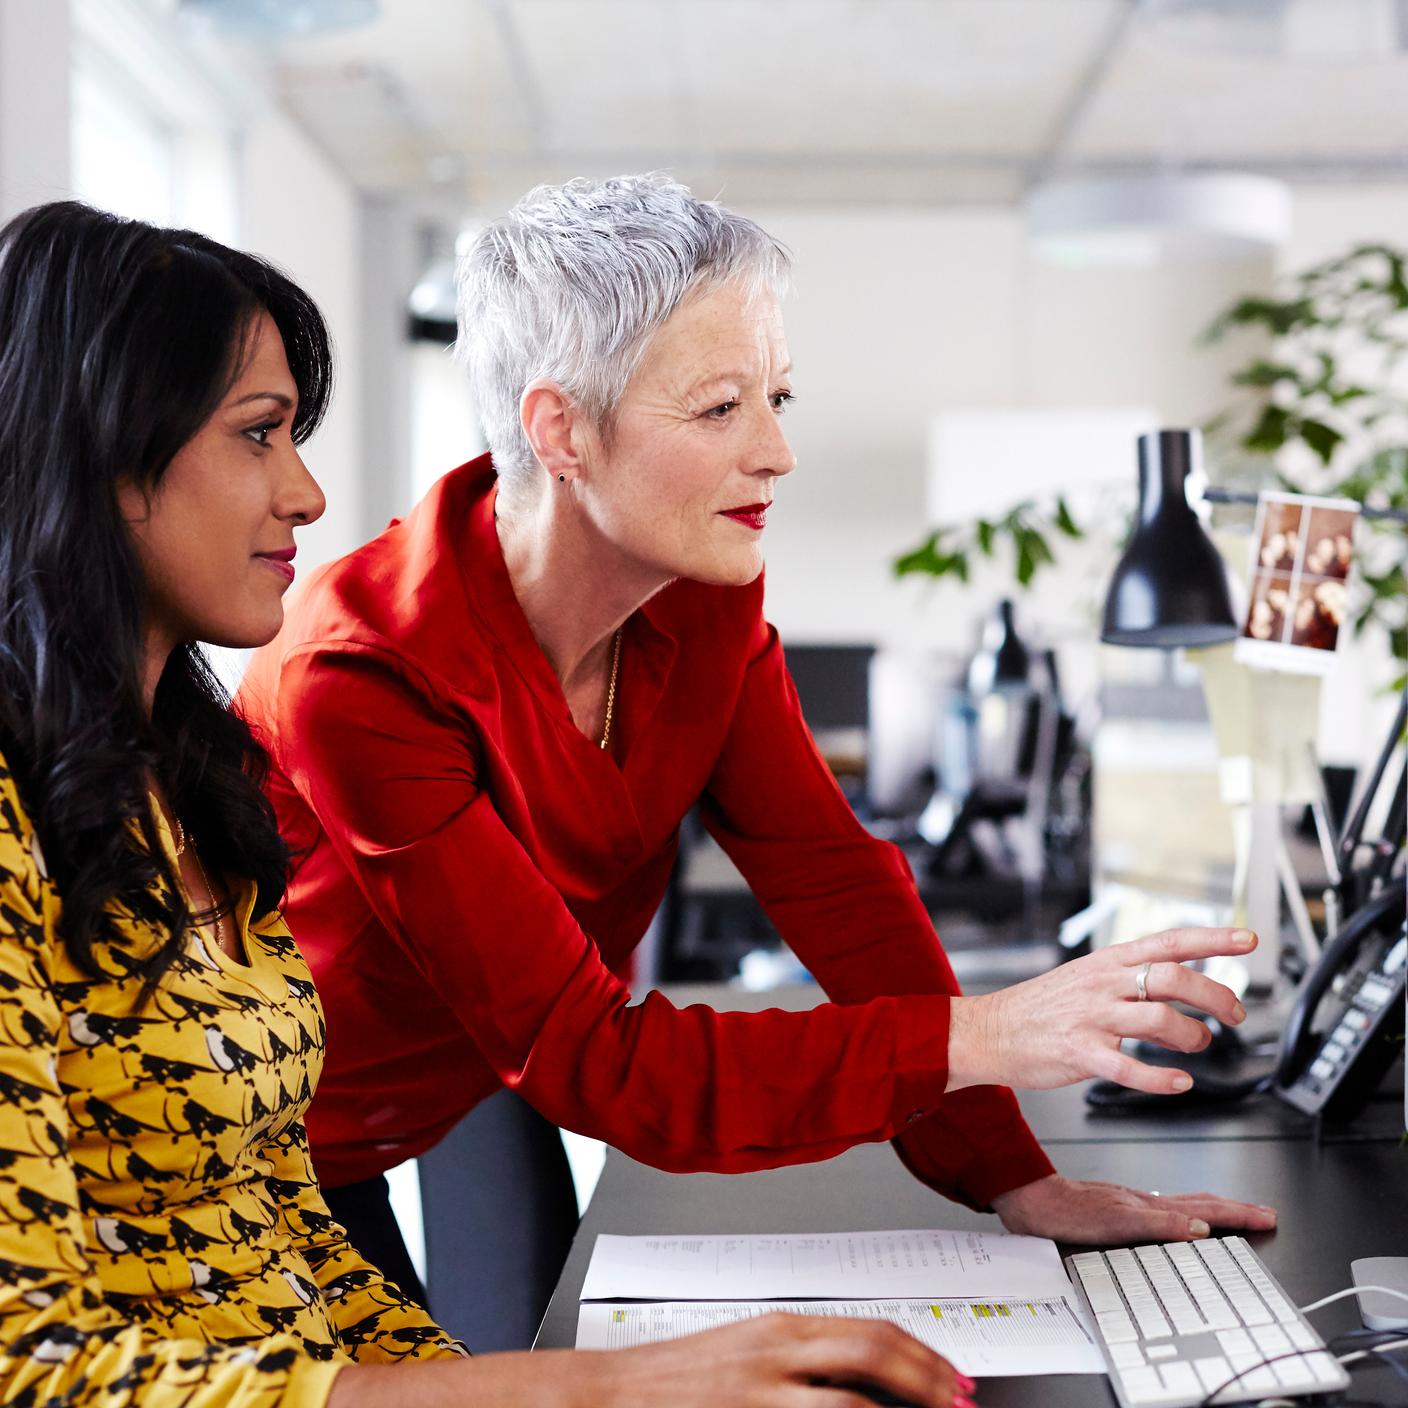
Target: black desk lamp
[{"x": 1170, "y": 588}]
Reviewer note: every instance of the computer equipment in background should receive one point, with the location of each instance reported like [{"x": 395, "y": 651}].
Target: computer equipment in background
[
  {"x": 833, "y": 688},
  {"x": 1346, "y": 1029},
  {"x": 909, "y": 691},
  {"x": 832, "y": 682},
  {"x": 1185, "y": 1323},
  {"x": 1354, "y": 1000},
  {"x": 1380, "y": 1311}
]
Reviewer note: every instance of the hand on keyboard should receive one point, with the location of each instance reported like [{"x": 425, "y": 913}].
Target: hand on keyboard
[{"x": 1068, "y": 1210}]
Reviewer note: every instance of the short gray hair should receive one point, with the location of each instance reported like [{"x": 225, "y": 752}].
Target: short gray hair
[{"x": 575, "y": 280}]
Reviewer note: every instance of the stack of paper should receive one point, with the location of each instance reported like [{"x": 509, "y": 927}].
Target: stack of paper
[{"x": 991, "y": 1303}]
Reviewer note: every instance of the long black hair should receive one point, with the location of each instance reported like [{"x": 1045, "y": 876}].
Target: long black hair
[{"x": 118, "y": 340}]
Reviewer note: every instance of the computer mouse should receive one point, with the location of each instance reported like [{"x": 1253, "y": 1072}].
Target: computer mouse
[
  {"x": 875, "y": 1395},
  {"x": 1111, "y": 1099}
]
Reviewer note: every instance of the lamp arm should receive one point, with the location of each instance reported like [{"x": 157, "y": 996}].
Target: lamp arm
[{"x": 1214, "y": 495}]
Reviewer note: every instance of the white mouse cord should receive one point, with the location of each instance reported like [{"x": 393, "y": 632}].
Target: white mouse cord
[
  {"x": 1353, "y": 1291},
  {"x": 1355, "y": 1355}
]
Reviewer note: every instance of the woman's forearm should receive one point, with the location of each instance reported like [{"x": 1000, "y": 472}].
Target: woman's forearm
[
  {"x": 971, "y": 1057},
  {"x": 552, "y": 1378}
]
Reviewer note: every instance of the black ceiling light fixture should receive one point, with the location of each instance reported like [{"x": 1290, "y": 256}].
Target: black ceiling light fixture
[
  {"x": 280, "y": 19},
  {"x": 1170, "y": 588}
]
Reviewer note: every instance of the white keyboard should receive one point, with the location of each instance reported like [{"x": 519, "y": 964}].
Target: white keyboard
[{"x": 1187, "y": 1323}]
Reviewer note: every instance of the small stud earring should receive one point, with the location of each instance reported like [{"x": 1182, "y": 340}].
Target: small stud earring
[{"x": 562, "y": 479}]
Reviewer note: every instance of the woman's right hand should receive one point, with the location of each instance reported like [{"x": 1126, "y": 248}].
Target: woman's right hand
[
  {"x": 775, "y": 1361},
  {"x": 791, "y": 1361},
  {"x": 1067, "y": 1025}
]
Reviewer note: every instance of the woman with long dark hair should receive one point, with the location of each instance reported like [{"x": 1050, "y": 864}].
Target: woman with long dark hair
[{"x": 162, "y": 1237}]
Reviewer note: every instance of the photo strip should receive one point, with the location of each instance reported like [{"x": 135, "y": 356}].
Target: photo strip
[{"x": 1303, "y": 552}]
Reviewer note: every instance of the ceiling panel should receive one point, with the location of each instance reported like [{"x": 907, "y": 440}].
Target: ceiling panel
[
  {"x": 827, "y": 101},
  {"x": 749, "y": 186},
  {"x": 1161, "y": 101},
  {"x": 956, "y": 76}
]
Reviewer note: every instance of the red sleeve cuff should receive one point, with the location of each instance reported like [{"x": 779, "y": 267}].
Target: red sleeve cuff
[
  {"x": 974, "y": 1147},
  {"x": 970, "y": 1146},
  {"x": 921, "y": 1057}
]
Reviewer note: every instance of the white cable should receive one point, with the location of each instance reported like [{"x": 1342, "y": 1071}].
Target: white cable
[
  {"x": 1378, "y": 1349},
  {"x": 1353, "y": 1291}
]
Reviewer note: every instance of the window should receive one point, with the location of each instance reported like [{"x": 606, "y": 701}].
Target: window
[{"x": 153, "y": 136}]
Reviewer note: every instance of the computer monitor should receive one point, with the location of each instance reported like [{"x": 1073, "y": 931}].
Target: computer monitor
[
  {"x": 832, "y": 684},
  {"x": 908, "y": 692}
]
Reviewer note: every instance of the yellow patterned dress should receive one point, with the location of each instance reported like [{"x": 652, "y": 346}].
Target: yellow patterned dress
[{"x": 162, "y": 1237}]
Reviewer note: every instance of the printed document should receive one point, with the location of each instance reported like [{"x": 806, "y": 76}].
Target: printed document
[{"x": 991, "y": 1302}]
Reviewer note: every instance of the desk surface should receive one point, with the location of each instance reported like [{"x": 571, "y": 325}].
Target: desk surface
[
  {"x": 1061, "y": 1117},
  {"x": 1337, "y": 1202}
]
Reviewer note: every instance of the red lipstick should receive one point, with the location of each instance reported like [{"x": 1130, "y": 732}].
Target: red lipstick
[
  {"x": 280, "y": 560},
  {"x": 754, "y": 516}
]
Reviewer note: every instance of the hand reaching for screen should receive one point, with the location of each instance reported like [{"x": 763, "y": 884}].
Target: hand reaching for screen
[{"x": 1067, "y": 1025}]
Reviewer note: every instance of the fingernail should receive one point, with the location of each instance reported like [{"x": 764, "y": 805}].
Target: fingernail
[
  {"x": 1270, "y": 1212},
  {"x": 1197, "y": 1227},
  {"x": 1183, "y": 1081},
  {"x": 965, "y": 1383},
  {"x": 1244, "y": 938},
  {"x": 1239, "y": 1013}
]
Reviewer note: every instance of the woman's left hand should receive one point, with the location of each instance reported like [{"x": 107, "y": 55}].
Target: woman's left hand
[{"x": 1069, "y": 1210}]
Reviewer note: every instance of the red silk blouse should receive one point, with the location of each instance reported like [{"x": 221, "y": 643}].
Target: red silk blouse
[{"x": 476, "y": 872}]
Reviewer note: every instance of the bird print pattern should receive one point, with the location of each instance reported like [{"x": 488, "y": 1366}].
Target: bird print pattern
[{"x": 162, "y": 1237}]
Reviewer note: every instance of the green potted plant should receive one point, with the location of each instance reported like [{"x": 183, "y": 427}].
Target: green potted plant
[{"x": 1323, "y": 409}]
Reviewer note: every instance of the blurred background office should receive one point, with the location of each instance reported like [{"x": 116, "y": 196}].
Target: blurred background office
[{"x": 1013, "y": 221}]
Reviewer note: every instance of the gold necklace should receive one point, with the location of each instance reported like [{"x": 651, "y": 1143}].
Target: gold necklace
[
  {"x": 204, "y": 879},
  {"x": 611, "y": 690}
]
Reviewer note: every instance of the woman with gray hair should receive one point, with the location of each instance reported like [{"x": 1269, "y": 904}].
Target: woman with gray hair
[{"x": 488, "y": 723}]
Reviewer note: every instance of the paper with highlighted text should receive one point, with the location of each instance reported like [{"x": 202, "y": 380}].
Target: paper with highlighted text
[{"x": 992, "y": 1303}]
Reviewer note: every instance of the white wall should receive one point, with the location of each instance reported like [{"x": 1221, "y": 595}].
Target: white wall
[
  {"x": 34, "y": 103},
  {"x": 297, "y": 210},
  {"x": 386, "y": 429},
  {"x": 895, "y": 316}
]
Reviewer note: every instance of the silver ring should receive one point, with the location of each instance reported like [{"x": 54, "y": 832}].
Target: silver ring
[{"x": 1141, "y": 982}]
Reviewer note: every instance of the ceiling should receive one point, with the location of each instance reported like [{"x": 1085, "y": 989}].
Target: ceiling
[{"x": 833, "y": 102}]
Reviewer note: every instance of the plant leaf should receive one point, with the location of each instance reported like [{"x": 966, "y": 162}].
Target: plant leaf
[
  {"x": 1026, "y": 564},
  {"x": 1065, "y": 522},
  {"x": 920, "y": 559},
  {"x": 1347, "y": 394},
  {"x": 1266, "y": 374},
  {"x": 1323, "y": 439},
  {"x": 1270, "y": 432}
]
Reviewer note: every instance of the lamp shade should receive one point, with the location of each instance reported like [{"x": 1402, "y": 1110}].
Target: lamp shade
[
  {"x": 1002, "y": 660},
  {"x": 1169, "y": 217},
  {"x": 1170, "y": 588}
]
